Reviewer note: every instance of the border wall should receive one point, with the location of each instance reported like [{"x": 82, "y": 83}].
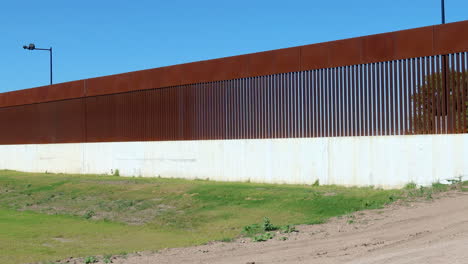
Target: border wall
[{"x": 381, "y": 110}]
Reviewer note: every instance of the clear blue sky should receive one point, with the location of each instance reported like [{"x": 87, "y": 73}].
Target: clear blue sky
[{"x": 101, "y": 37}]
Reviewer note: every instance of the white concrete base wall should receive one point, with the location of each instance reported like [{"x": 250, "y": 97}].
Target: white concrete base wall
[{"x": 385, "y": 161}]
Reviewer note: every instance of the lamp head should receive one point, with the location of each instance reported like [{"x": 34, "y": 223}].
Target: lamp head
[{"x": 30, "y": 46}]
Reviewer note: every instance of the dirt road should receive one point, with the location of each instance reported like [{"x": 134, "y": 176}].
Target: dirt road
[{"x": 419, "y": 232}]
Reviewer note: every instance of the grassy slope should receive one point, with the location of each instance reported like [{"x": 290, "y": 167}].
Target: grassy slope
[{"x": 41, "y": 215}]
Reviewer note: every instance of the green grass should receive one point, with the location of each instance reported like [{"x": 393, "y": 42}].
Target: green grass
[{"x": 46, "y": 217}]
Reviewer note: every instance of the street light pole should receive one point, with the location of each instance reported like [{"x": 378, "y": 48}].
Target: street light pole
[
  {"x": 33, "y": 47},
  {"x": 443, "y": 11},
  {"x": 50, "y": 53}
]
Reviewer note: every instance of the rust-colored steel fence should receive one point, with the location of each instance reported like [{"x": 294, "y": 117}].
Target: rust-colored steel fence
[
  {"x": 425, "y": 95},
  {"x": 400, "y": 83},
  {"x": 410, "y": 96}
]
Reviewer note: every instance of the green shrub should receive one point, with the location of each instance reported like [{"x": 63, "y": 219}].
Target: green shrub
[
  {"x": 90, "y": 259},
  {"x": 89, "y": 214},
  {"x": 263, "y": 237},
  {"x": 107, "y": 259},
  {"x": 267, "y": 225}
]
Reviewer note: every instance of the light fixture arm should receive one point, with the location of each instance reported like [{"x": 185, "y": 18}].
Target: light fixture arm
[{"x": 33, "y": 47}]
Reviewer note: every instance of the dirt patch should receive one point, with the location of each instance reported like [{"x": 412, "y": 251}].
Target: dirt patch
[
  {"x": 405, "y": 232},
  {"x": 62, "y": 240}
]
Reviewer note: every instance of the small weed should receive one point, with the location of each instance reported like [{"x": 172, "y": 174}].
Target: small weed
[
  {"x": 253, "y": 229},
  {"x": 351, "y": 218},
  {"x": 421, "y": 190},
  {"x": 107, "y": 259},
  {"x": 429, "y": 195},
  {"x": 267, "y": 225},
  {"x": 368, "y": 204},
  {"x": 427, "y": 192},
  {"x": 410, "y": 186},
  {"x": 457, "y": 183},
  {"x": 439, "y": 187},
  {"x": 89, "y": 214},
  {"x": 412, "y": 190},
  {"x": 116, "y": 172},
  {"x": 283, "y": 238},
  {"x": 288, "y": 229},
  {"x": 226, "y": 239},
  {"x": 263, "y": 237},
  {"x": 261, "y": 232},
  {"x": 316, "y": 183},
  {"x": 90, "y": 259}
]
